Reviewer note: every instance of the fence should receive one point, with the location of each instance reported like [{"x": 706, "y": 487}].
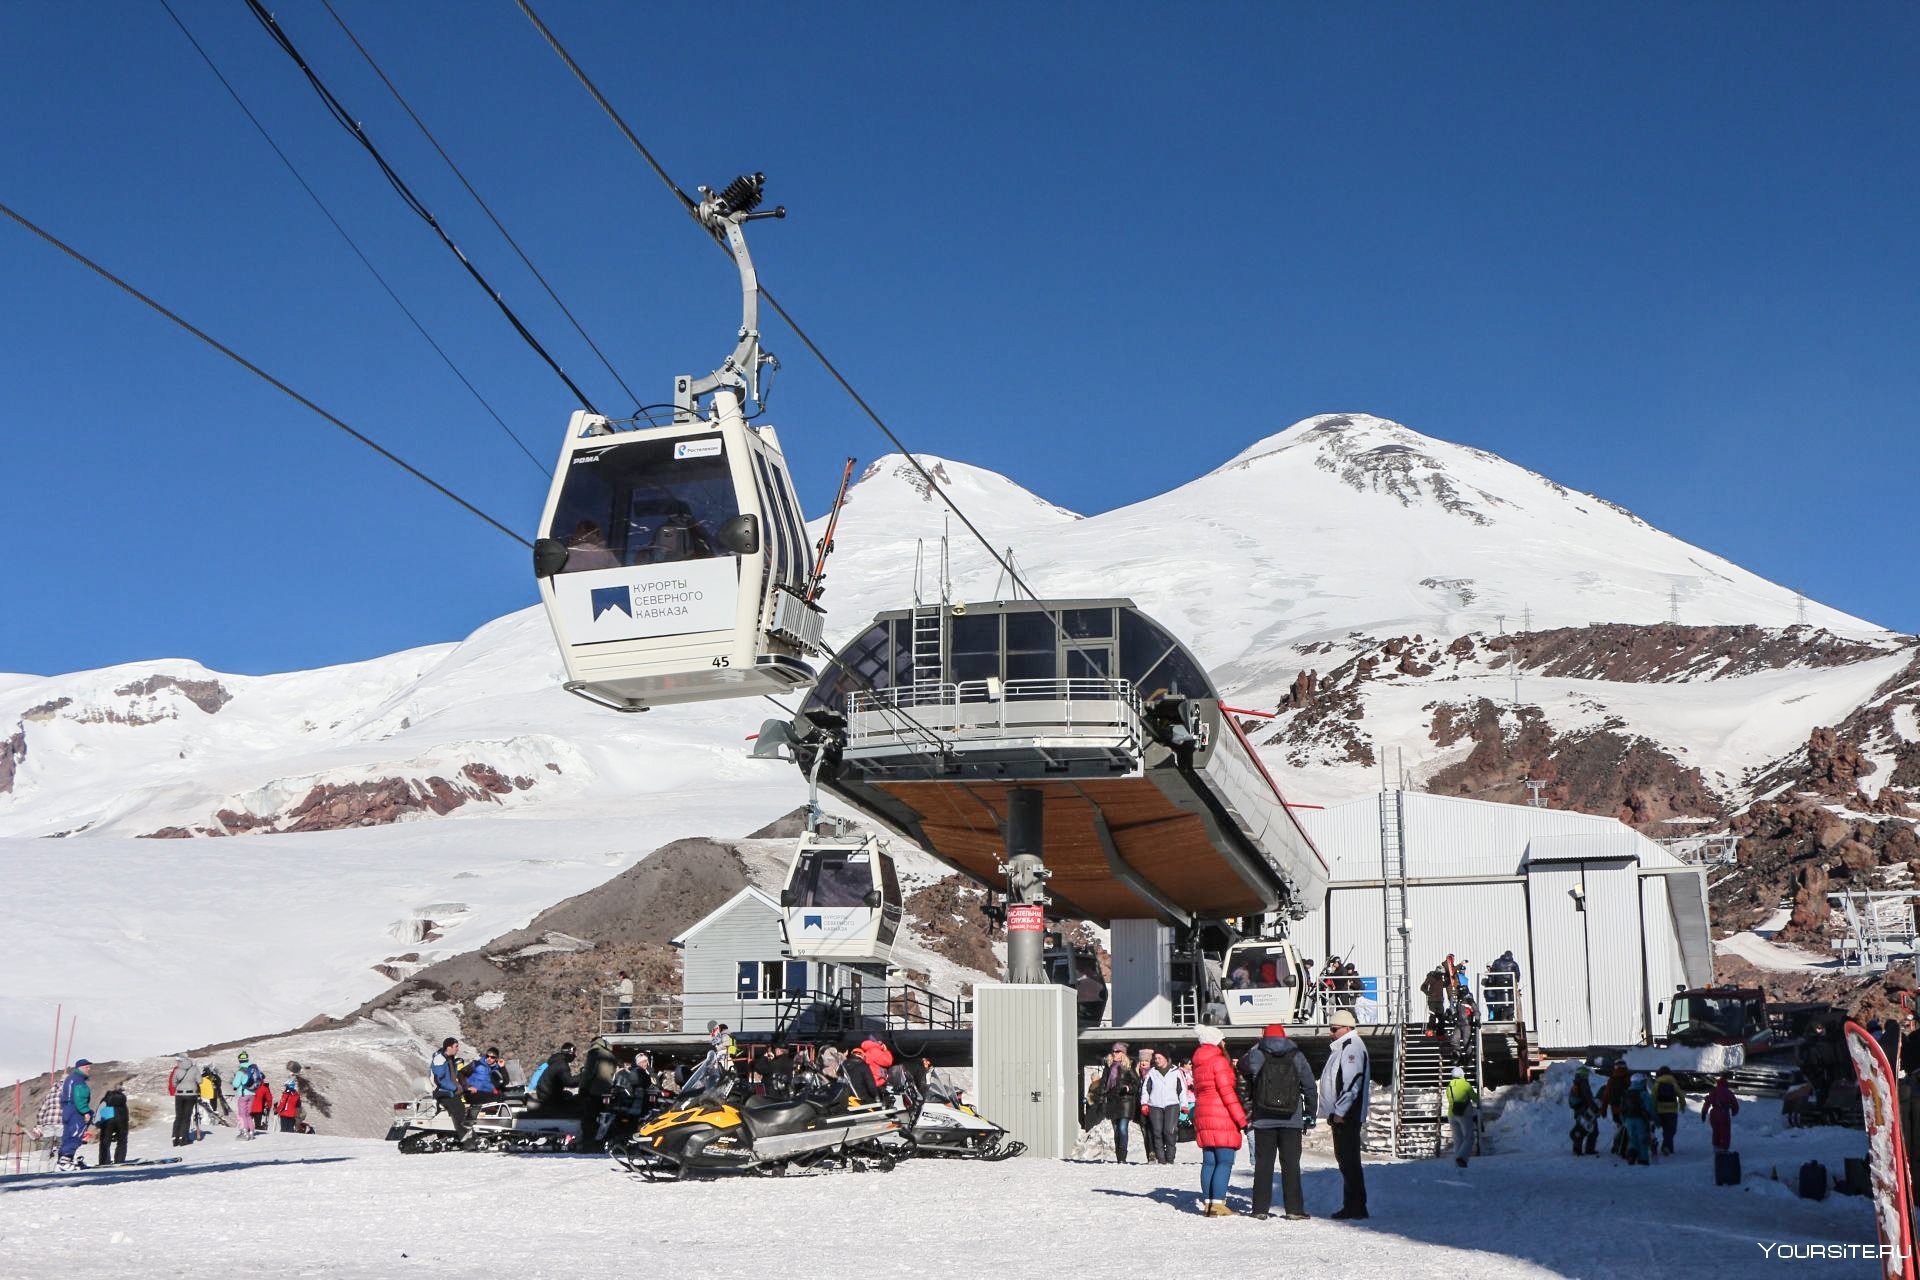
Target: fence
[{"x": 798, "y": 1011}]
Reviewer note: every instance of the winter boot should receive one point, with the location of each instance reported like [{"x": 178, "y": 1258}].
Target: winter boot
[
  {"x": 1206, "y": 1208},
  {"x": 1221, "y": 1209}
]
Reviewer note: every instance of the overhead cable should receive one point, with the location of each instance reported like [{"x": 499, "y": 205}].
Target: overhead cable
[
  {"x": 345, "y": 118},
  {"x": 351, "y": 243},
  {"x": 254, "y": 369}
]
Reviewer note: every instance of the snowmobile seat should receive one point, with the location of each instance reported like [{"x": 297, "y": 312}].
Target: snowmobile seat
[{"x": 768, "y": 1117}]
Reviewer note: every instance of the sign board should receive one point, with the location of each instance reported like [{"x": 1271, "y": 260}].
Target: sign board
[
  {"x": 1026, "y": 919},
  {"x": 645, "y": 601}
]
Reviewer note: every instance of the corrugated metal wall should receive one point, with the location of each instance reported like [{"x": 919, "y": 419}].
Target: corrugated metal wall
[
  {"x": 1665, "y": 968},
  {"x": 1473, "y": 922},
  {"x": 1614, "y": 951},
  {"x": 1558, "y": 978}
]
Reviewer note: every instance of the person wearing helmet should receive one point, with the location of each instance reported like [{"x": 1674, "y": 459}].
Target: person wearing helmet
[
  {"x": 1586, "y": 1112},
  {"x": 246, "y": 1079},
  {"x": 1636, "y": 1114},
  {"x": 1463, "y": 1114},
  {"x": 555, "y": 1079}
]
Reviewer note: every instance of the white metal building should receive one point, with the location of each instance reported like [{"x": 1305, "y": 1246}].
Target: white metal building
[{"x": 1603, "y": 921}]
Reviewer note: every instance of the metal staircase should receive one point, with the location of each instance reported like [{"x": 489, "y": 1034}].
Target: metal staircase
[
  {"x": 1420, "y": 1077},
  {"x": 1394, "y": 996}
]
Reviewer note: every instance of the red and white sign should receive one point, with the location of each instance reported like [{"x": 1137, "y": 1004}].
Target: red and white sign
[
  {"x": 1026, "y": 919},
  {"x": 1886, "y": 1152}
]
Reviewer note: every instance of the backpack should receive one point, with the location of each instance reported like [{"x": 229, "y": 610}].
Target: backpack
[
  {"x": 1276, "y": 1089},
  {"x": 1633, "y": 1106},
  {"x": 1665, "y": 1091},
  {"x": 533, "y": 1081}
]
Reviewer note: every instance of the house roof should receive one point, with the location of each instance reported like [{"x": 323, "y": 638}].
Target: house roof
[{"x": 727, "y": 908}]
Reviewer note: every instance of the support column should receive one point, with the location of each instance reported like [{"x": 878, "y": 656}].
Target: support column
[{"x": 1026, "y": 886}]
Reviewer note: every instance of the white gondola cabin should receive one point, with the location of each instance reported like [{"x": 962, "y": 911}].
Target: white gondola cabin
[
  {"x": 673, "y": 560},
  {"x": 1264, "y": 983},
  {"x": 842, "y": 899}
]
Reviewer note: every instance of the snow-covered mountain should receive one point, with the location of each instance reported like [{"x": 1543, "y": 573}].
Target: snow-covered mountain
[{"x": 1348, "y": 573}]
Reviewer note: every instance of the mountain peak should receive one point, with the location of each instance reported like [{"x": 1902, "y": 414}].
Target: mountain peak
[{"x": 893, "y": 481}]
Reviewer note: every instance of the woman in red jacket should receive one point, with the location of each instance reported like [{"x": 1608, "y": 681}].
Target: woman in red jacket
[{"x": 1218, "y": 1119}]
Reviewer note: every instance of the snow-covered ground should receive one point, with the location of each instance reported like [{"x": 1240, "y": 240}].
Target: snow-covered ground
[{"x": 286, "y": 1205}]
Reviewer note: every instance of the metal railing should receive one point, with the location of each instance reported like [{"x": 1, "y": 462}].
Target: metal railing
[
  {"x": 1702, "y": 851},
  {"x": 1081, "y": 706},
  {"x": 899, "y": 1006},
  {"x": 1502, "y": 997}
]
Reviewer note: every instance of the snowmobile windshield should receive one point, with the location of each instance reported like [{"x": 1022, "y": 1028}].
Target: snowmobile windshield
[
  {"x": 940, "y": 1089},
  {"x": 711, "y": 1082}
]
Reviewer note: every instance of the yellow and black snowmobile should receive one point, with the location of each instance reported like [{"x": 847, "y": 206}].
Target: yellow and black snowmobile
[{"x": 711, "y": 1125}]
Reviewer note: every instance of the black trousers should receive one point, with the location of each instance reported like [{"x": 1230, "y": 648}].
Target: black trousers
[
  {"x": 113, "y": 1142},
  {"x": 1346, "y": 1149},
  {"x": 183, "y": 1105},
  {"x": 1286, "y": 1142},
  {"x": 457, "y": 1108},
  {"x": 1163, "y": 1123}
]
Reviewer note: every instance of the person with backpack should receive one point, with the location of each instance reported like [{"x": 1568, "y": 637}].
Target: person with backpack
[
  {"x": 1718, "y": 1111},
  {"x": 288, "y": 1108},
  {"x": 111, "y": 1122},
  {"x": 1163, "y": 1091},
  {"x": 246, "y": 1078},
  {"x": 450, "y": 1088},
  {"x": 1434, "y": 988},
  {"x": 1280, "y": 1092},
  {"x": 1613, "y": 1096},
  {"x": 1116, "y": 1096},
  {"x": 76, "y": 1114},
  {"x": 1636, "y": 1115},
  {"x": 1344, "y": 1083},
  {"x": 1218, "y": 1119},
  {"x": 1667, "y": 1105},
  {"x": 183, "y": 1086},
  {"x": 1586, "y": 1112},
  {"x": 550, "y": 1082},
  {"x": 1462, "y": 1103}
]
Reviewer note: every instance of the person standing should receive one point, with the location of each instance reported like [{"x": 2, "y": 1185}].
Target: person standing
[
  {"x": 1586, "y": 1112},
  {"x": 245, "y": 1077},
  {"x": 1434, "y": 988},
  {"x": 1117, "y": 1096},
  {"x": 1343, "y": 1101},
  {"x": 183, "y": 1086},
  {"x": 1718, "y": 1112},
  {"x": 1503, "y": 1000},
  {"x": 1143, "y": 1063},
  {"x": 1218, "y": 1119},
  {"x": 76, "y": 1113},
  {"x": 1163, "y": 1092},
  {"x": 623, "y": 995},
  {"x": 111, "y": 1124},
  {"x": 449, "y": 1088},
  {"x": 288, "y": 1108},
  {"x": 1667, "y": 1103},
  {"x": 1613, "y": 1101},
  {"x": 1281, "y": 1093},
  {"x": 1463, "y": 1114}
]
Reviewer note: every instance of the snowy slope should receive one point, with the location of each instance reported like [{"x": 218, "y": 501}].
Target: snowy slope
[{"x": 504, "y": 793}]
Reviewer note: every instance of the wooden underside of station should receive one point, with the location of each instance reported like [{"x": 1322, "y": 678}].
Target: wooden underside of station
[{"x": 1162, "y": 844}]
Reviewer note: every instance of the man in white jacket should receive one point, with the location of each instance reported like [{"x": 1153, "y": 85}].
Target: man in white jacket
[{"x": 1343, "y": 1101}]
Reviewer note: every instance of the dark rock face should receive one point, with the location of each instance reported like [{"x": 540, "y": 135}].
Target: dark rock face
[
  {"x": 1668, "y": 652},
  {"x": 1597, "y": 770},
  {"x": 337, "y": 806},
  {"x": 13, "y": 750},
  {"x": 208, "y": 695},
  {"x": 946, "y": 915}
]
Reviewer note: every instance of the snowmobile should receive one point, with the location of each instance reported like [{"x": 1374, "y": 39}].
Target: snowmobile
[
  {"x": 508, "y": 1123},
  {"x": 944, "y": 1124},
  {"x": 709, "y": 1126}
]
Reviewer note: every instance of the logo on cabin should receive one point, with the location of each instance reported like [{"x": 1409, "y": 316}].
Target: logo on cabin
[
  {"x": 607, "y": 599},
  {"x": 1245, "y": 999},
  {"x": 812, "y": 922}
]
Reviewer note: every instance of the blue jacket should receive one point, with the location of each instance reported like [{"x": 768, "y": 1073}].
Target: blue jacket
[
  {"x": 446, "y": 1074},
  {"x": 481, "y": 1078}
]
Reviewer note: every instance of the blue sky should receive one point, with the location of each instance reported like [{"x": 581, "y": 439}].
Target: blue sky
[{"x": 1663, "y": 253}]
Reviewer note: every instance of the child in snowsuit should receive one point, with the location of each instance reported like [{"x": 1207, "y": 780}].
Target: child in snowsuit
[
  {"x": 262, "y": 1105},
  {"x": 1667, "y": 1104},
  {"x": 1718, "y": 1112},
  {"x": 1586, "y": 1112},
  {"x": 288, "y": 1108}
]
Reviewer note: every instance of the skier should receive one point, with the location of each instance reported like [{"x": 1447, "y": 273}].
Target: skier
[
  {"x": 1116, "y": 1096},
  {"x": 1502, "y": 1000},
  {"x": 1463, "y": 1114},
  {"x": 1586, "y": 1112},
  {"x": 213, "y": 1102},
  {"x": 1718, "y": 1112},
  {"x": 1465, "y": 1020},
  {"x": 1141, "y": 1066},
  {"x": 1343, "y": 1101},
  {"x": 183, "y": 1086},
  {"x": 111, "y": 1123},
  {"x": 245, "y": 1077},
  {"x": 1667, "y": 1104},
  {"x": 76, "y": 1113},
  {"x": 1218, "y": 1119},
  {"x": 449, "y": 1089},
  {"x": 1636, "y": 1114},
  {"x": 718, "y": 1041},
  {"x": 1163, "y": 1092},
  {"x": 1280, "y": 1091},
  {"x": 262, "y": 1104},
  {"x": 1613, "y": 1096}
]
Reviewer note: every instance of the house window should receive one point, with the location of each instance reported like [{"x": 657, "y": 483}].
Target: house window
[{"x": 771, "y": 979}]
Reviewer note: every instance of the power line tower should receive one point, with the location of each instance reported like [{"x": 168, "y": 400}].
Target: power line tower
[
  {"x": 1799, "y": 608},
  {"x": 1673, "y": 603},
  {"x": 1534, "y": 788},
  {"x": 1526, "y": 617}
]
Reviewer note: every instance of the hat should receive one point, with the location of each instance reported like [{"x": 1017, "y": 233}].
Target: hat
[
  {"x": 1343, "y": 1018},
  {"x": 1209, "y": 1035},
  {"x": 84, "y": 1062},
  {"x": 1275, "y": 1030},
  {"x": 1581, "y": 1070},
  {"x": 1119, "y": 1046},
  {"x": 1458, "y": 1074},
  {"x": 713, "y": 1024},
  {"x": 243, "y": 1055}
]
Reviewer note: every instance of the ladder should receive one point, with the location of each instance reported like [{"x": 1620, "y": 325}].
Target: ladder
[
  {"x": 926, "y": 645},
  {"x": 1394, "y": 994}
]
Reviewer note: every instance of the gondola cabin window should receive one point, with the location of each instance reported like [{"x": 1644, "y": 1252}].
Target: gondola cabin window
[{"x": 645, "y": 502}]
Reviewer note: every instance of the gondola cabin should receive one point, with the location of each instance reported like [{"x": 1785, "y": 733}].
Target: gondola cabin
[
  {"x": 673, "y": 563},
  {"x": 842, "y": 899},
  {"x": 1263, "y": 983}
]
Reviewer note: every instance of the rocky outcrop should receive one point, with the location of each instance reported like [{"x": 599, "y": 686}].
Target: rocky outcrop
[
  {"x": 208, "y": 695},
  {"x": 337, "y": 806},
  {"x": 1596, "y": 770},
  {"x": 1797, "y": 850},
  {"x": 45, "y": 711},
  {"x": 13, "y": 751},
  {"x": 1668, "y": 653},
  {"x": 946, "y": 916}
]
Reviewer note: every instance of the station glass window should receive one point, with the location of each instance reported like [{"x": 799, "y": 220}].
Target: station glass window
[
  {"x": 637, "y": 503},
  {"x": 973, "y": 647},
  {"x": 1031, "y": 653},
  {"x": 862, "y": 664},
  {"x": 1155, "y": 664}
]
